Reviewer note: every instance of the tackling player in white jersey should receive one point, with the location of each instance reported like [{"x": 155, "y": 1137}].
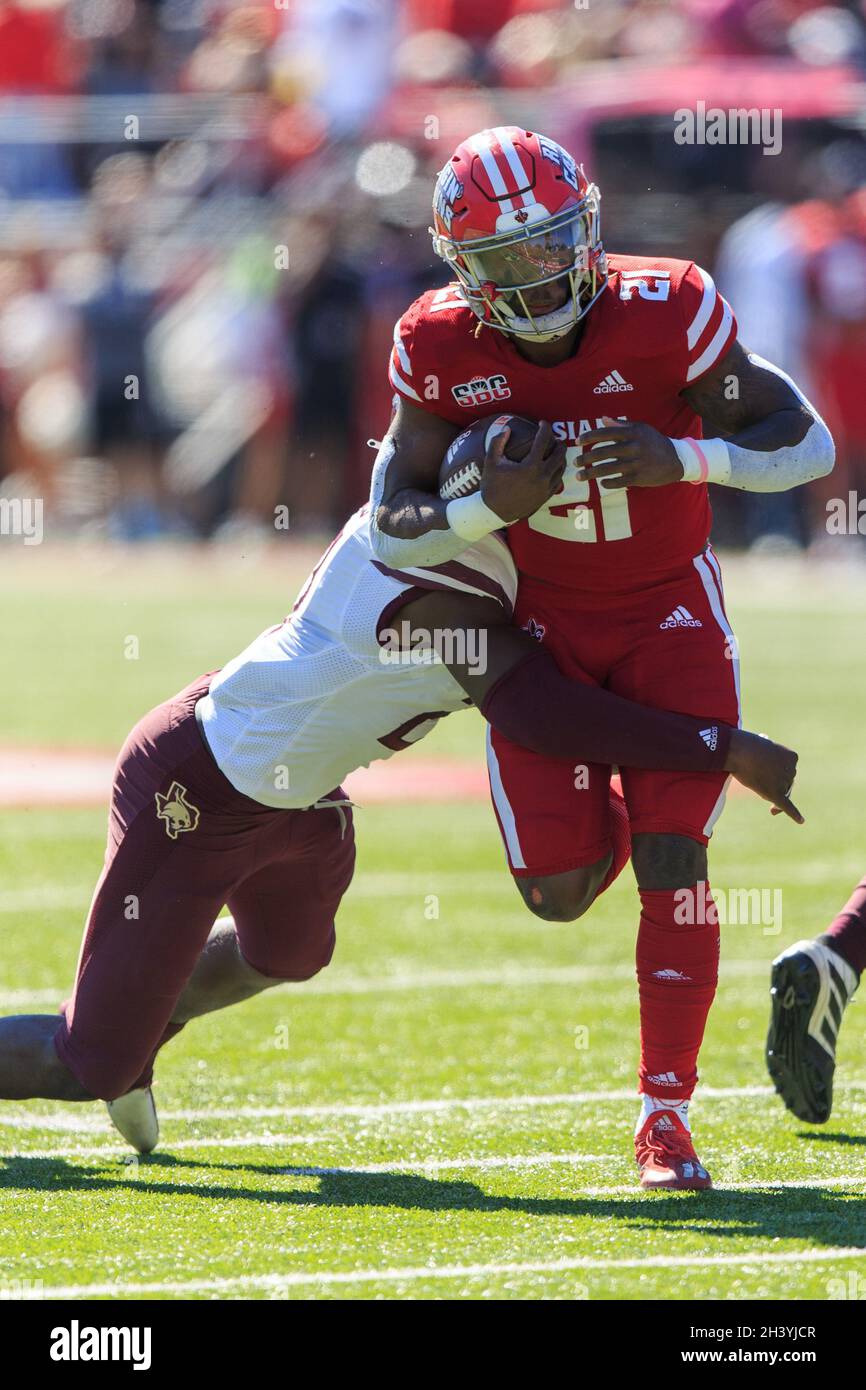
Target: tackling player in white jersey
[{"x": 227, "y": 794}]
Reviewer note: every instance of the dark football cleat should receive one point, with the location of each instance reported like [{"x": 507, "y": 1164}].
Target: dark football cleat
[{"x": 809, "y": 990}]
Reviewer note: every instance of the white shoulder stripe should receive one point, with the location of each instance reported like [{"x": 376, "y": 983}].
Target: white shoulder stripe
[
  {"x": 705, "y": 309},
  {"x": 710, "y": 354},
  {"x": 401, "y": 385},
  {"x": 401, "y": 351}
]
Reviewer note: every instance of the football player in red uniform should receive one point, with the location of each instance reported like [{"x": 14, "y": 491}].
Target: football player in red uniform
[{"x": 634, "y": 361}]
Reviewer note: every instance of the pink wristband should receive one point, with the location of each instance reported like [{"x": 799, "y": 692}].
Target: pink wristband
[{"x": 703, "y": 462}]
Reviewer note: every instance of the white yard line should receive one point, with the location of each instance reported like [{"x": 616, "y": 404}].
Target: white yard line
[
  {"x": 117, "y": 1149},
  {"x": 453, "y": 1165},
  {"x": 513, "y": 975},
  {"x": 70, "y": 1121},
  {"x": 378, "y": 1110},
  {"x": 36, "y": 897},
  {"x": 28, "y": 998},
  {"x": 410, "y": 1273},
  {"x": 449, "y": 1104},
  {"x": 400, "y": 884},
  {"x": 272, "y": 1141},
  {"x": 426, "y": 1166}
]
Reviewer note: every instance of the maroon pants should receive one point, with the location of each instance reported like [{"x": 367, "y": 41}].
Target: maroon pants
[{"x": 182, "y": 843}]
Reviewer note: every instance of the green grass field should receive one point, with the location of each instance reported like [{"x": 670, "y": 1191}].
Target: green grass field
[{"x": 424, "y": 1120}]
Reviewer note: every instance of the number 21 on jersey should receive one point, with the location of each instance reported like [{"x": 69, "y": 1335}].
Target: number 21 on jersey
[{"x": 583, "y": 510}]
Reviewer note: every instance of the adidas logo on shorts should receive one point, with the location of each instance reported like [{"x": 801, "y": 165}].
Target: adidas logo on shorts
[{"x": 681, "y": 617}]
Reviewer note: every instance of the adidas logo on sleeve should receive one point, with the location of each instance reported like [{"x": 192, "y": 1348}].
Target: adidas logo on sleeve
[{"x": 681, "y": 617}]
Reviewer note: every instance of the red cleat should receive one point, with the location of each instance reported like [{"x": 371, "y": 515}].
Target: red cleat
[{"x": 666, "y": 1155}]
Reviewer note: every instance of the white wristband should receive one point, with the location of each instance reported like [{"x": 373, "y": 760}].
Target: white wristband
[
  {"x": 471, "y": 518},
  {"x": 703, "y": 460}
]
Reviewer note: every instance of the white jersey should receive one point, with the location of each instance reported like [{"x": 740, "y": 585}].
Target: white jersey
[{"x": 322, "y": 694}]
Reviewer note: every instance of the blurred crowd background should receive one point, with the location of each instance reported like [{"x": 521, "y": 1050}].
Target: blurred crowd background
[{"x": 212, "y": 213}]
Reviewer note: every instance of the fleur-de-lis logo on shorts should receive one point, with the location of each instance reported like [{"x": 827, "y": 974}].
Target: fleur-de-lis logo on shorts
[{"x": 178, "y": 812}]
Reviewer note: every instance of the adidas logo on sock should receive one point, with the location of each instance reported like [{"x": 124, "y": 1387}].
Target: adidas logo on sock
[
  {"x": 664, "y": 1078},
  {"x": 614, "y": 381},
  {"x": 670, "y": 975},
  {"x": 664, "y": 1122},
  {"x": 681, "y": 617}
]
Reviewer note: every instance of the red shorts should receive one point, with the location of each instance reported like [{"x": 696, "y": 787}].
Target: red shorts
[
  {"x": 670, "y": 647},
  {"x": 182, "y": 843}
]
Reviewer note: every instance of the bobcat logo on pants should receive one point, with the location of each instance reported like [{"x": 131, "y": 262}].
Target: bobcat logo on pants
[{"x": 178, "y": 813}]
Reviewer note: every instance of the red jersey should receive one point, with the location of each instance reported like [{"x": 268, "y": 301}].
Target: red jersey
[{"x": 658, "y": 326}]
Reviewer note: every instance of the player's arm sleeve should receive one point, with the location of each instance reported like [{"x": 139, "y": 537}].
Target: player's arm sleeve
[
  {"x": 523, "y": 694},
  {"x": 431, "y": 531},
  {"x": 771, "y": 438},
  {"x": 372, "y": 617},
  {"x": 434, "y": 546},
  {"x": 535, "y": 705}
]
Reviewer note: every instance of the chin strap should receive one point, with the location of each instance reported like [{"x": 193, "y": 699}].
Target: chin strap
[{"x": 491, "y": 292}]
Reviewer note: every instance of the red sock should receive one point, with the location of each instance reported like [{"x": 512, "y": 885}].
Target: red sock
[
  {"x": 847, "y": 932},
  {"x": 620, "y": 833},
  {"x": 677, "y": 971}
]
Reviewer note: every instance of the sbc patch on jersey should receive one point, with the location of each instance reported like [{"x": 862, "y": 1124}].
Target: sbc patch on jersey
[{"x": 481, "y": 390}]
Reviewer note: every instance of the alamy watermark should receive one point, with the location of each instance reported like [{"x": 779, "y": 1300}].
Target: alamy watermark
[
  {"x": 22, "y": 516},
  {"x": 82, "y": 1343},
  {"x": 846, "y": 516},
  {"x": 739, "y": 125},
  {"x": 729, "y": 907},
  {"x": 420, "y": 646}
]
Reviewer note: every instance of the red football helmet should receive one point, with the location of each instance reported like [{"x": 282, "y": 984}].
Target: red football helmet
[{"x": 518, "y": 222}]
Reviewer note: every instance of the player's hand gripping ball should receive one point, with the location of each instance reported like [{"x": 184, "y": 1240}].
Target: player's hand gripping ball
[{"x": 517, "y": 464}]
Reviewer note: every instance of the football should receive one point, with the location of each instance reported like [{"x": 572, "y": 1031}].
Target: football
[{"x": 460, "y": 474}]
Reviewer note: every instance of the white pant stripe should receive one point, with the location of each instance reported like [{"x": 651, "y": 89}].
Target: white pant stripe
[
  {"x": 503, "y": 808},
  {"x": 707, "y": 567}
]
